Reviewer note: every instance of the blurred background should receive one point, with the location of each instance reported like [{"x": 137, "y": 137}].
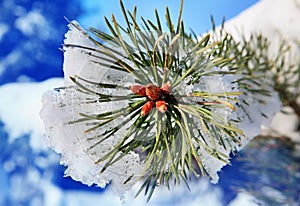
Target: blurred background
[{"x": 266, "y": 172}]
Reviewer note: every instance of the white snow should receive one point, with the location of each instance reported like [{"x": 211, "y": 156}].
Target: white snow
[
  {"x": 277, "y": 20},
  {"x": 284, "y": 124},
  {"x": 70, "y": 140},
  {"x": 19, "y": 110}
]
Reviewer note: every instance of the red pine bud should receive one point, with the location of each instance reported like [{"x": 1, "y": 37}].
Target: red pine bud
[
  {"x": 138, "y": 89},
  {"x": 161, "y": 106},
  {"x": 147, "y": 108},
  {"x": 153, "y": 92},
  {"x": 167, "y": 88}
]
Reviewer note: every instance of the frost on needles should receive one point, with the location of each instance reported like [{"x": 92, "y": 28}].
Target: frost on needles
[{"x": 144, "y": 105}]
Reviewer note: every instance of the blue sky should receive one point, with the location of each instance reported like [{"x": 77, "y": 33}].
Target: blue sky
[{"x": 196, "y": 14}]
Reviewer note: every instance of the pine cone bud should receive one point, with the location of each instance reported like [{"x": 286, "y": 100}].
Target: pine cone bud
[
  {"x": 138, "y": 89},
  {"x": 153, "y": 92},
  {"x": 161, "y": 106},
  {"x": 167, "y": 88},
  {"x": 147, "y": 108}
]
